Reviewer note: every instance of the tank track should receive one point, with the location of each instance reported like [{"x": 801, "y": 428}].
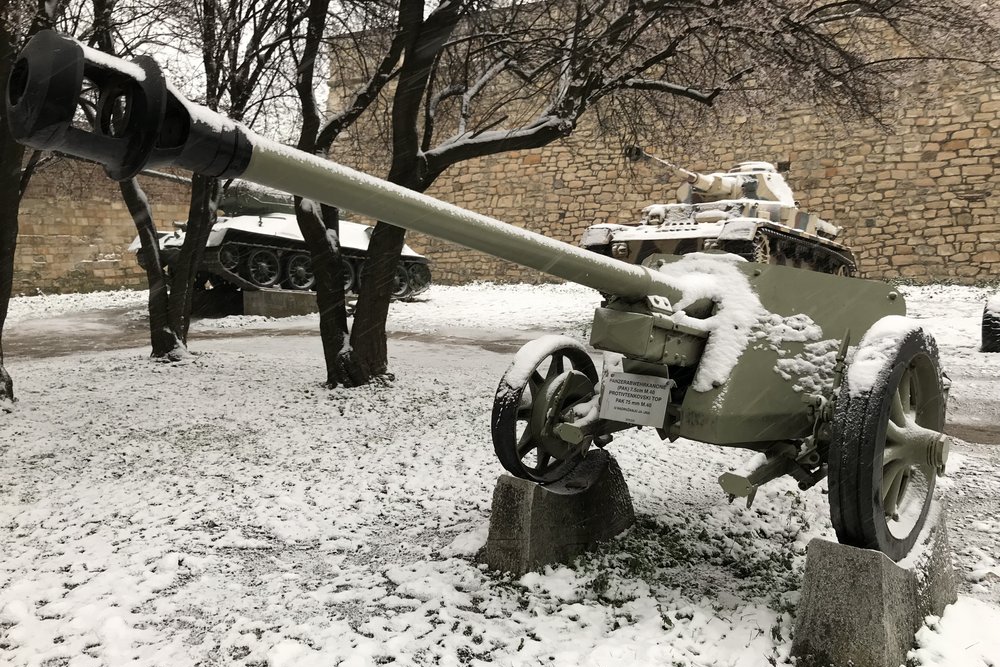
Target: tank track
[
  {"x": 213, "y": 266},
  {"x": 791, "y": 250}
]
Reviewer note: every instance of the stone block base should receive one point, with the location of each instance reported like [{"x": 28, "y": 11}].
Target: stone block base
[
  {"x": 279, "y": 303},
  {"x": 860, "y": 608},
  {"x": 532, "y": 525}
]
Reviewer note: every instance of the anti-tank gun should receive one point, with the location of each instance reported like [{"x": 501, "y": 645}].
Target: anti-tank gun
[
  {"x": 816, "y": 374},
  {"x": 749, "y": 211}
]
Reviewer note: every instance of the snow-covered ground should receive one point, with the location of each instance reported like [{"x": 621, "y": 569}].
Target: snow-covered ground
[{"x": 229, "y": 511}]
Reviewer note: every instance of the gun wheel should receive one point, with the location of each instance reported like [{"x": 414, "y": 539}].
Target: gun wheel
[
  {"x": 551, "y": 380},
  {"x": 887, "y": 450}
]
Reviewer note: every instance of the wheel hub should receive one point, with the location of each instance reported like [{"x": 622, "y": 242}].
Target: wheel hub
[{"x": 554, "y": 394}]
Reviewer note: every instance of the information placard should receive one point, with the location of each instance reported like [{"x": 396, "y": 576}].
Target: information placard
[{"x": 635, "y": 399}]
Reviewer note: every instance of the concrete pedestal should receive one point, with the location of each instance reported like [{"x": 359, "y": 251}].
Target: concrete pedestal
[
  {"x": 278, "y": 303},
  {"x": 532, "y": 526},
  {"x": 859, "y": 608}
]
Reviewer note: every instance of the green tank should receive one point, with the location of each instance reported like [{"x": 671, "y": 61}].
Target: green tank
[
  {"x": 813, "y": 375},
  {"x": 749, "y": 211}
]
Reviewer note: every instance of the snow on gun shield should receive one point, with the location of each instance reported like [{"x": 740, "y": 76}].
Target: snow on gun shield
[{"x": 814, "y": 373}]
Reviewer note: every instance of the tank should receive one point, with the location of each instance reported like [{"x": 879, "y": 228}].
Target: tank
[
  {"x": 256, "y": 244},
  {"x": 749, "y": 211},
  {"x": 807, "y": 374}
]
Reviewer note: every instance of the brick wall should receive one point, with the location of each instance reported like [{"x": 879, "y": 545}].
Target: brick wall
[{"x": 74, "y": 230}]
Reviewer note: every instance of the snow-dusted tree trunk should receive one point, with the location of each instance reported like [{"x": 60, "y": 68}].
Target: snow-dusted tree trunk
[
  {"x": 320, "y": 227},
  {"x": 166, "y": 342},
  {"x": 425, "y": 40},
  {"x": 183, "y": 273},
  {"x": 11, "y": 157}
]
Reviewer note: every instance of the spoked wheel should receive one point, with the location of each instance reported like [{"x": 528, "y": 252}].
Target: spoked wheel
[
  {"x": 756, "y": 250},
  {"x": 299, "y": 273},
  {"x": 551, "y": 380},
  {"x": 400, "y": 283},
  {"x": 263, "y": 267},
  {"x": 888, "y": 449},
  {"x": 761, "y": 252},
  {"x": 229, "y": 256},
  {"x": 838, "y": 267},
  {"x": 420, "y": 277}
]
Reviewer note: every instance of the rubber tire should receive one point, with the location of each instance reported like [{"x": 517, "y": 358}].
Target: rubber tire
[
  {"x": 855, "y": 460},
  {"x": 991, "y": 331}
]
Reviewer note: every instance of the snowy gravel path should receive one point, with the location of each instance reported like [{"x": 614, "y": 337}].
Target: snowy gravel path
[{"x": 230, "y": 512}]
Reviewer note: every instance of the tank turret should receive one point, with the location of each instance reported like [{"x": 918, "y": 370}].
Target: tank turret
[{"x": 749, "y": 210}]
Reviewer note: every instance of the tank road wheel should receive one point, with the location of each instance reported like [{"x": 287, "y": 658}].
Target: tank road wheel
[
  {"x": 263, "y": 267},
  {"x": 756, "y": 250},
  {"x": 299, "y": 273},
  {"x": 420, "y": 278},
  {"x": 549, "y": 377},
  {"x": 350, "y": 276},
  {"x": 761, "y": 250},
  {"x": 229, "y": 257},
  {"x": 400, "y": 283},
  {"x": 888, "y": 448}
]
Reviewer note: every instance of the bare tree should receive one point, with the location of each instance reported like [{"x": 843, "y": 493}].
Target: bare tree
[
  {"x": 375, "y": 58},
  {"x": 19, "y": 20},
  {"x": 481, "y": 78},
  {"x": 240, "y": 43}
]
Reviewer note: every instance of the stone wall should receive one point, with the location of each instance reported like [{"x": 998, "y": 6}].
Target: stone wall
[
  {"x": 916, "y": 202},
  {"x": 75, "y": 230}
]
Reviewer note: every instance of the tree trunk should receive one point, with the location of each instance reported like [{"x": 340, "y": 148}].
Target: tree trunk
[
  {"x": 11, "y": 156},
  {"x": 322, "y": 239},
  {"x": 368, "y": 357},
  {"x": 201, "y": 217},
  {"x": 166, "y": 344}
]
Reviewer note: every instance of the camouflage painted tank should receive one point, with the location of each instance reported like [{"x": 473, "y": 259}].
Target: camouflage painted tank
[{"x": 749, "y": 211}]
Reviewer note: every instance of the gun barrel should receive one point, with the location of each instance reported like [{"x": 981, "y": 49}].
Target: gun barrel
[
  {"x": 280, "y": 167},
  {"x": 709, "y": 183},
  {"x": 161, "y": 128}
]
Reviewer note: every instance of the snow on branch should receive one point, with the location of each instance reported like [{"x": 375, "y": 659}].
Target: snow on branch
[
  {"x": 468, "y": 145},
  {"x": 673, "y": 89},
  {"x": 477, "y": 87}
]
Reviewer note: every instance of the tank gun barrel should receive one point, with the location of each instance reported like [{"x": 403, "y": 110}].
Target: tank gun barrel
[
  {"x": 708, "y": 183},
  {"x": 142, "y": 122}
]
